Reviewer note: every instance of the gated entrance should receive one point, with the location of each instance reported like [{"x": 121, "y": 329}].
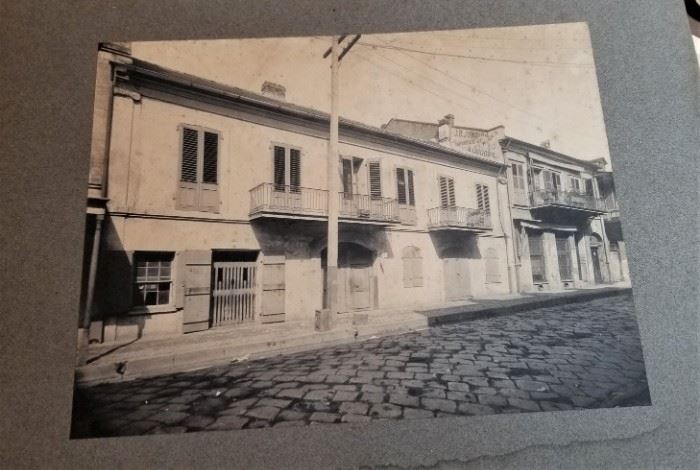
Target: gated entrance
[{"x": 234, "y": 284}]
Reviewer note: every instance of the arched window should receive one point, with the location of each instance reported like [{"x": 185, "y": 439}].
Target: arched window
[
  {"x": 412, "y": 267},
  {"x": 493, "y": 271}
]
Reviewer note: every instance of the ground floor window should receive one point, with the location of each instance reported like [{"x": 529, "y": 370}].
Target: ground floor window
[
  {"x": 153, "y": 279},
  {"x": 536, "y": 257},
  {"x": 564, "y": 258}
]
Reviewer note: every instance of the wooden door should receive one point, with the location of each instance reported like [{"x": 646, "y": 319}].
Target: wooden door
[
  {"x": 197, "y": 290},
  {"x": 596, "y": 265},
  {"x": 456, "y": 278},
  {"x": 358, "y": 277},
  {"x": 273, "y": 290}
]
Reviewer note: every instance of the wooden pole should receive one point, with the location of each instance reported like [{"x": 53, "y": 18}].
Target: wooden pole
[{"x": 333, "y": 198}]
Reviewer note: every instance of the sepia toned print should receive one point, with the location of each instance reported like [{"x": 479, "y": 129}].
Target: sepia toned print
[{"x": 292, "y": 236}]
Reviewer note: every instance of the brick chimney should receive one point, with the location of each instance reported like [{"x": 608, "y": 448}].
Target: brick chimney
[{"x": 274, "y": 90}]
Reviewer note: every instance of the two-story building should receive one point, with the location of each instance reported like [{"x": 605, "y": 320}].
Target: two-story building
[
  {"x": 216, "y": 211},
  {"x": 559, "y": 214}
]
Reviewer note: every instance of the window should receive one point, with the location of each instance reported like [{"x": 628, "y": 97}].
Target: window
[
  {"x": 575, "y": 184},
  {"x": 375, "y": 179},
  {"x": 405, "y": 192},
  {"x": 153, "y": 278},
  {"x": 536, "y": 257},
  {"x": 493, "y": 272},
  {"x": 287, "y": 169},
  {"x": 588, "y": 186},
  {"x": 482, "y": 198},
  {"x": 518, "y": 176},
  {"x": 199, "y": 170},
  {"x": 564, "y": 258},
  {"x": 552, "y": 181},
  {"x": 412, "y": 267},
  {"x": 447, "y": 192}
]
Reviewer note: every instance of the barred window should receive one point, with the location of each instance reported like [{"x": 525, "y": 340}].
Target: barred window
[{"x": 153, "y": 278}]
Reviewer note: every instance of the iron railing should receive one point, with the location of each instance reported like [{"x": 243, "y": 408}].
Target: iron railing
[
  {"x": 362, "y": 206},
  {"x": 546, "y": 197},
  {"x": 288, "y": 199},
  {"x": 459, "y": 217},
  {"x": 296, "y": 200}
]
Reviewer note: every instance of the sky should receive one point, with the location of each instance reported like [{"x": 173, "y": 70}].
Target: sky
[{"x": 537, "y": 81}]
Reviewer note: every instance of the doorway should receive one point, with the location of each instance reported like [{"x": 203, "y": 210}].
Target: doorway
[
  {"x": 234, "y": 284},
  {"x": 355, "y": 274},
  {"x": 456, "y": 274}
]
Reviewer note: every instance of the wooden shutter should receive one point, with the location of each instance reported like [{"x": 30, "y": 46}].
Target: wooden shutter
[
  {"x": 493, "y": 273},
  {"x": 375, "y": 180},
  {"x": 401, "y": 186},
  {"x": 209, "y": 188},
  {"x": 482, "y": 198},
  {"x": 189, "y": 157},
  {"x": 279, "y": 168},
  {"x": 447, "y": 192},
  {"x": 294, "y": 170},
  {"x": 411, "y": 192},
  {"x": 197, "y": 290},
  {"x": 273, "y": 290},
  {"x": 417, "y": 269},
  {"x": 347, "y": 176}
]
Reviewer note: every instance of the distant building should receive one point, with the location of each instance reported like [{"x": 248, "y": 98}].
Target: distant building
[
  {"x": 561, "y": 208},
  {"x": 215, "y": 198}
]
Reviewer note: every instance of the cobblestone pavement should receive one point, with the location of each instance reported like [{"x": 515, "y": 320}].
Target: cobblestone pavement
[{"x": 568, "y": 357}]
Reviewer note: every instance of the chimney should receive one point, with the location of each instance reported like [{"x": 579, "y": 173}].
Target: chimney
[
  {"x": 274, "y": 90},
  {"x": 445, "y": 128},
  {"x": 546, "y": 144}
]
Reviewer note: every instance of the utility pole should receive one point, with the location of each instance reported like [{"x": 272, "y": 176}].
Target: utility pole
[{"x": 333, "y": 182}]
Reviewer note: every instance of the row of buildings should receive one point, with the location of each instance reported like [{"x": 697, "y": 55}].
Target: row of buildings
[{"x": 207, "y": 206}]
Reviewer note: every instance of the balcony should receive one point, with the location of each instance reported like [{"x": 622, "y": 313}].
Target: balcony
[
  {"x": 295, "y": 202},
  {"x": 458, "y": 218},
  {"x": 555, "y": 204}
]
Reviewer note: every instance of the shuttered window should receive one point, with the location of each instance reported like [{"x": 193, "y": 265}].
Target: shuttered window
[
  {"x": 286, "y": 167},
  {"x": 347, "y": 177},
  {"x": 188, "y": 169},
  {"x": 199, "y": 170},
  {"x": 483, "y": 201},
  {"x": 447, "y": 192},
  {"x": 405, "y": 192},
  {"x": 375, "y": 180},
  {"x": 536, "y": 257},
  {"x": 412, "y": 267},
  {"x": 564, "y": 258},
  {"x": 294, "y": 170},
  {"x": 518, "y": 176}
]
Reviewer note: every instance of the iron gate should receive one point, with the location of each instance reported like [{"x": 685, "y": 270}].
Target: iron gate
[{"x": 233, "y": 294}]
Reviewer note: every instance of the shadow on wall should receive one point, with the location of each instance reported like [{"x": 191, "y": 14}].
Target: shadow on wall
[{"x": 456, "y": 245}]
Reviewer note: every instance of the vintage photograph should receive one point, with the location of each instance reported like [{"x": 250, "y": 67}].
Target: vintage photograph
[{"x": 330, "y": 230}]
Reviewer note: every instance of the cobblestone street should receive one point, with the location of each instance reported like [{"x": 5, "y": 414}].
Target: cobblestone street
[{"x": 574, "y": 356}]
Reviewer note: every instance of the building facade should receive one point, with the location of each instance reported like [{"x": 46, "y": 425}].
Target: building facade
[
  {"x": 215, "y": 211},
  {"x": 562, "y": 210}
]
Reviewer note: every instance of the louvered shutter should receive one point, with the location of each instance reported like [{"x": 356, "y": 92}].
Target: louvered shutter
[
  {"x": 347, "y": 177},
  {"x": 411, "y": 192},
  {"x": 294, "y": 170},
  {"x": 401, "y": 185},
  {"x": 444, "y": 194},
  {"x": 209, "y": 188},
  {"x": 279, "y": 168},
  {"x": 375, "y": 180},
  {"x": 187, "y": 194},
  {"x": 482, "y": 198}
]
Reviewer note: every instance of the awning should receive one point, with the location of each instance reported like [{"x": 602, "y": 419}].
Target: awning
[{"x": 546, "y": 226}]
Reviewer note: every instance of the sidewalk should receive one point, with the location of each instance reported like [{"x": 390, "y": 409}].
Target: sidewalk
[{"x": 149, "y": 357}]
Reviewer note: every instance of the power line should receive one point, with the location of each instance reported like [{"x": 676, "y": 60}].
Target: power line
[{"x": 460, "y": 56}]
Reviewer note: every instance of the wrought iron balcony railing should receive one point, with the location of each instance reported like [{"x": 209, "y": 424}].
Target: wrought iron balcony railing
[
  {"x": 289, "y": 200},
  {"x": 458, "y": 218},
  {"x": 362, "y": 206},
  {"x": 573, "y": 199}
]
